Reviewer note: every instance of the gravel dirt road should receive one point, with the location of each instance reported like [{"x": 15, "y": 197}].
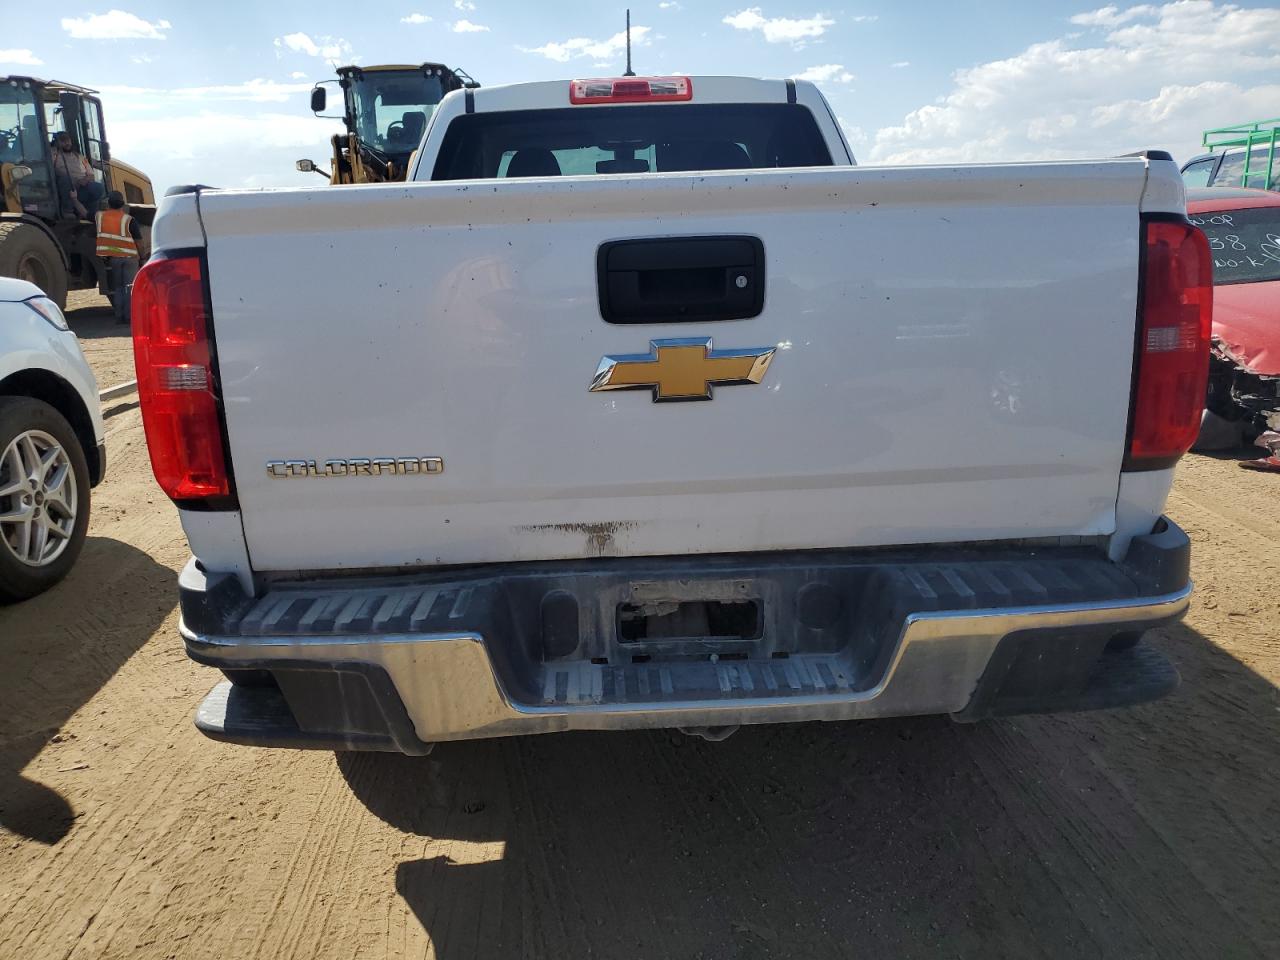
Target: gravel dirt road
[
  {"x": 105, "y": 342},
  {"x": 1151, "y": 832}
]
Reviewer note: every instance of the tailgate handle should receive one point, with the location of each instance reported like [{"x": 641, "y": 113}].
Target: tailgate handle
[{"x": 681, "y": 279}]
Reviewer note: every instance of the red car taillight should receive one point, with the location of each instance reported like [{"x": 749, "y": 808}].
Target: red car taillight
[
  {"x": 1171, "y": 369},
  {"x": 177, "y": 385}
]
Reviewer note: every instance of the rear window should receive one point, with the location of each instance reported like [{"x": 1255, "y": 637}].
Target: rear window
[
  {"x": 1197, "y": 174},
  {"x": 582, "y": 141},
  {"x": 1232, "y": 172},
  {"x": 1245, "y": 243}
]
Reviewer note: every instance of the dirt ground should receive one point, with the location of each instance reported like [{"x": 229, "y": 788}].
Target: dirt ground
[
  {"x": 105, "y": 342},
  {"x": 1151, "y": 832}
]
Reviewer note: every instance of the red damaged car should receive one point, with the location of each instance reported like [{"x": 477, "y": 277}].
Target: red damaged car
[{"x": 1243, "y": 227}]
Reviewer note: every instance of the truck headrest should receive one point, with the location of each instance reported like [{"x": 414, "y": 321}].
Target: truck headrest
[{"x": 533, "y": 162}]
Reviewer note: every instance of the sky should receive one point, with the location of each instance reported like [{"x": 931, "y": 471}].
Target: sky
[{"x": 217, "y": 93}]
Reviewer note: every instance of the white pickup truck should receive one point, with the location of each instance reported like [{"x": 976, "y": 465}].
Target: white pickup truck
[{"x": 640, "y": 405}]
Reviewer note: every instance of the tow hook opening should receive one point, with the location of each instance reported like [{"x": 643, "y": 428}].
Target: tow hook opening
[{"x": 711, "y": 734}]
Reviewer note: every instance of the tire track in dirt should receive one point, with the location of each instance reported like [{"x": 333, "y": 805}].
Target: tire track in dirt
[
  {"x": 1221, "y": 487},
  {"x": 1107, "y": 860}
]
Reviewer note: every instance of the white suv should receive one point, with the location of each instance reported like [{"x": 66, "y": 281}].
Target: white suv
[{"x": 51, "y": 442}]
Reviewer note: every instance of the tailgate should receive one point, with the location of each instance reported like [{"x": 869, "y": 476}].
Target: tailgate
[{"x": 951, "y": 361}]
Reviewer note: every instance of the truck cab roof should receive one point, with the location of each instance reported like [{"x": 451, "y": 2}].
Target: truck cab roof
[
  {"x": 549, "y": 94},
  {"x": 566, "y": 97}
]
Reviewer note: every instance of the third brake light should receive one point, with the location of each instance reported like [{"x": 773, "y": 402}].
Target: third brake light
[{"x": 631, "y": 90}]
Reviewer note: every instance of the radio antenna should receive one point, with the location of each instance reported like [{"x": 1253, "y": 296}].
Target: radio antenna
[{"x": 630, "y": 72}]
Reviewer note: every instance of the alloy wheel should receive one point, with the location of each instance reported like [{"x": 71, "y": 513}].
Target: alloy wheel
[{"x": 38, "y": 498}]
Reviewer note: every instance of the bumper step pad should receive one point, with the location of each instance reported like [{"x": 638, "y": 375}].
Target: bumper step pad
[
  {"x": 260, "y": 716},
  {"x": 810, "y": 675}
]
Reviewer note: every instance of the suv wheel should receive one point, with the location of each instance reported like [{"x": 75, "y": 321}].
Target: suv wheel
[{"x": 44, "y": 497}]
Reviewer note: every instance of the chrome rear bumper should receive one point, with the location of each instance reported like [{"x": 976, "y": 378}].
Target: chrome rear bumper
[
  {"x": 450, "y": 692},
  {"x": 397, "y": 664}
]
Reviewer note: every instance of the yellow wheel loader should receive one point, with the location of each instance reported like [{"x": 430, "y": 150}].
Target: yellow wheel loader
[
  {"x": 42, "y": 238},
  {"x": 385, "y": 109}
]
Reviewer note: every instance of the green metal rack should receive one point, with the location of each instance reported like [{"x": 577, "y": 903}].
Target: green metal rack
[{"x": 1249, "y": 137}]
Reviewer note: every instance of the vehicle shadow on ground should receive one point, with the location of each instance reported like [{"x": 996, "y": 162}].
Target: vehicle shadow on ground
[
  {"x": 51, "y": 664},
  {"x": 1142, "y": 832},
  {"x": 123, "y": 406},
  {"x": 95, "y": 321},
  {"x": 1246, "y": 452}
]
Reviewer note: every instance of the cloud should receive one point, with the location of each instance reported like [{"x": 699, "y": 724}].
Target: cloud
[
  {"x": 114, "y": 25},
  {"x": 466, "y": 26},
  {"x": 779, "y": 29},
  {"x": 189, "y": 135},
  {"x": 230, "y": 135},
  {"x": 416, "y": 18},
  {"x": 900, "y": 64},
  {"x": 465, "y": 5},
  {"x": 827, "y": 73},
  {"x": 327, "y": 48},
  {"x": 297, "y": 75},
  {"x": 21, "y": 57},
  {"x": 247, "y": 91},
  {"x": 1111, "y": 16},
  {"x": 866, "y": 18},
  {"x": 250, "y": 91},
  {"x": 856, "y": 136},
  {"x": 669, "y": 5},
  {"x": 1156, "y": 77},
  {"x": 565, "y": 50}
]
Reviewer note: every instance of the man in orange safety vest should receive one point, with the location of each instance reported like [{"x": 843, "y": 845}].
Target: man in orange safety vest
[{"x": 118, "y": 239}]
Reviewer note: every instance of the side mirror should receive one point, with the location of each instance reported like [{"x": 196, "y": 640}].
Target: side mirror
[
  {"x": 309, "y": 166},
  {"x": 19, "y": 172},
  {"x": 318, "y": 99}
]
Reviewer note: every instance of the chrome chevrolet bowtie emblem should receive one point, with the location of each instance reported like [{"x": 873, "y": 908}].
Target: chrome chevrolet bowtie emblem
[{"x": 682, "y": 369}]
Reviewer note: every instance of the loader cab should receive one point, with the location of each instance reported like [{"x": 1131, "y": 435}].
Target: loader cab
[
  {"x": 49, "y": 244},
  {"x": 386, "y": 110},
  {"x": 32, "y": 113}
]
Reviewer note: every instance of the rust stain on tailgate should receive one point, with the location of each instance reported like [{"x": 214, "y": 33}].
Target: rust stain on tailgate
[{"x": 600, "y": 535}]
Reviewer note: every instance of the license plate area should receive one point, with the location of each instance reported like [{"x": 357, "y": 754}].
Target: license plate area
[
  {"x": 690, "y": 618},
  {"x": 705, "y": 620}
]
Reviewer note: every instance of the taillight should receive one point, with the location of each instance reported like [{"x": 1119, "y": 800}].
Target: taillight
[
  {"x": 631, "y": 90},
  {"x": 176, "y": 381},
  {"x": 1171, "y": 369}
]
